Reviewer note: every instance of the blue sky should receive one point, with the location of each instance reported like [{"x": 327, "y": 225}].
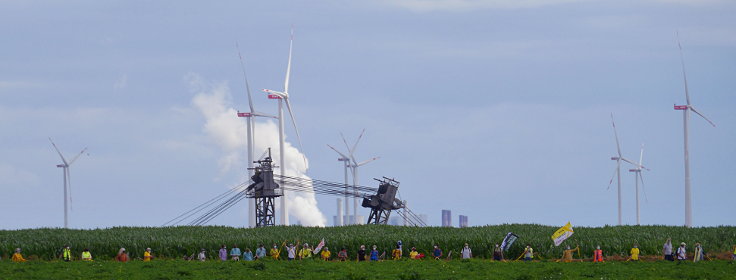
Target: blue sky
[{"x": 498, "y": 110}]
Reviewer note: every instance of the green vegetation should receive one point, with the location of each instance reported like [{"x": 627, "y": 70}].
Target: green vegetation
[
  {"x": 175, "y": 242},
  {"x": 405, "y": 269}
]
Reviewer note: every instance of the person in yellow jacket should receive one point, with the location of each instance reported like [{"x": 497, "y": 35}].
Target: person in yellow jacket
[
  {"x": 147, "y": 257},
  {"x": 326, "y": 254},
  {"x": 86, "y": 255},
  {"x": 66, "y": 253},
  {"x": 305, "y": 252},
  {"x": 275, "y": 252},
  {"x": 413, "y": 254},
  {"x": 396, "y": 253},
  {"x": 17, "y": 257},
  {"x": 634, "y": 253}
]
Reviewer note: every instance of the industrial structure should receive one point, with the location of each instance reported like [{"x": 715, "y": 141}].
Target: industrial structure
[
  {"x": 463, "y": 221},
  {"x": 446, "y": 218}
]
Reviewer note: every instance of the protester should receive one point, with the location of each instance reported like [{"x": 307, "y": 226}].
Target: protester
[
  {"x": 734, "y": 253},
  {"x": 291, "y": 252},
  {"x": 342, "y": 255},
  {"x": 497, "y": 253},
  {"x": 528, "y": 253},
  {"x": 223, "y": 253},
  {"x": 397, "y": 253},
  {"x": 305, "y": 252},
  {"x": 122, "y": 255},
  {"x": 598, "y": 254},
  {"x": 466, "y": 253},
  {"x": 374, "y": 253},
  {"x": 413, "y": 253},
  {"x": 437, "y": 253},
  {"x": 247, "y": 255},
  {"x": 202, "y": 255},
  {"x": 325, "y": 254},
  {"x": 86, "y": 255},
  {"x": 681, "y": 252},
  {"x": 567, "y": 254},
  {"x": 260, "y": 252},
  {"x": 17, "y": 257},
  {"x": 667, "y": 250},
  {"x": 147, "y": 257},
  {"x": 361, "y": 253},
  {"x": 235, "y": 253},
  {"x": 275, "y": 252},
  {"x": 66, "y": 253},
  {"x": 699, "y": 255},
  {"x": 634, "y": 253}
]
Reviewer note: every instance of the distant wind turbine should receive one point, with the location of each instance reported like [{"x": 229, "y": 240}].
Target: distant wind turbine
[
  {"x": 250, "y": 116},
  {"x": 618, "y": 160},
  {"x": 685, "y": 118},
  {"x": 638, "y": 177},
  {"x": 67, "y": 180},
  {"x": 346, "y": 162},
  {"x": 354, "y": 167},
  {"x": 283, "y": 96}
]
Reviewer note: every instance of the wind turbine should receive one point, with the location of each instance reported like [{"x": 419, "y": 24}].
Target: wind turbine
[
  {"x": 283, "y": 97},
  {"x": 251, "y": 137},
  {"x": 67, "y": 180},
  {"x": 354, "y": 167},
  {"x": 685, "y": 118},
  {"x": 618, "y": 160},
  {"x": 637, "y": 177}
]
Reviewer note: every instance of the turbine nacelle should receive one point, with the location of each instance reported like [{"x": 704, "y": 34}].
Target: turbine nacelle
[{"x": 272, "y": 94}]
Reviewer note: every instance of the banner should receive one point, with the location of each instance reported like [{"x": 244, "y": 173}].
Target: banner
[
  {"x": 319, "y": 246},
  {"x": 562, "y": 234},
  {"x": 508, "y": 240}
]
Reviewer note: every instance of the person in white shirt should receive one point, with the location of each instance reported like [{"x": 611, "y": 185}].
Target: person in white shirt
[
  {"x": 681, "y": 252},
  {"x": 466, "y": 253}
]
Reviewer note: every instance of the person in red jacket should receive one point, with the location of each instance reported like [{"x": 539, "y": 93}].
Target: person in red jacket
[{"x": 598, "y": 254}]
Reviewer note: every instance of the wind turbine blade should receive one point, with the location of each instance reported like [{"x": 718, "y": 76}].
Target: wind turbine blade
[
  {"x": 57, "y": 150},
  {"x": 77, "y": 156},
  {"x": 641, "y": 154},
  {"x": 298, "y": 137},
  {"x": 245, "y": 77},
  {"x": 288, "y": 65},
  {"x": 631, "y": 162},
  {"x": 611, "y": 181},
  {"x": 367, "y": 161},
  {"x": 641, "y": 178},
  {"x": 357, "y": 141},
  {"x": 350, "y": 151},
  {"x": 684, "y": 76},
  {"x": 692, "y": 108},
  {"x": 341, "y": 154},
  {"x": 615, "y": 134}
]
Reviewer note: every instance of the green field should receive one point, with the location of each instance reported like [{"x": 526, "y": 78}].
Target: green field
[
  {"x": 405, "y": 269},
  {"x": 175, "y": 242}
]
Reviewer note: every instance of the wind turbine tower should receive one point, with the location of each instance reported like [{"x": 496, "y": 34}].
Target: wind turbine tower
[
  {"x": 637, "y": 177},
  {"x": 354, "y": 167},
  {"x": 618, "y": 160},
  {"x": 67, "y": 180},
  {"x": 685, "y": 119},
  {"x": 343, "y": 217}
]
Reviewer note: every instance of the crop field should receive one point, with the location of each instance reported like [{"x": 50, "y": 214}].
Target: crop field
[
  {"x": 175, "y": 242},
  {"x": 404, "y": 269}
]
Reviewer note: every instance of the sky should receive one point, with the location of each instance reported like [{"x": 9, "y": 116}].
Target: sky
[{"x": 498, "y": 110}]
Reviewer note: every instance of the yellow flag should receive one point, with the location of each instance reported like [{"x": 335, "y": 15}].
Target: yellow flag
[{"x": 562, "y": 234}]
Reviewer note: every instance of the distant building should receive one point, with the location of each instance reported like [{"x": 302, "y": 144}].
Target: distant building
[
  {"x": 446, "y": 218},
  {"x": 463, "y": 221}
]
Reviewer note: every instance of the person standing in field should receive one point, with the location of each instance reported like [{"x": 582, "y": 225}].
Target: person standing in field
[
  {"x": 667, "y": 250},
  {"x": 734, "y": 253},
  {"x": 305, "y": 252},
  {"x": 86, "y": 255},
  {"x": 598, "y": 254},
  {"x": 202, "y": 255},
  {"x": 466, "y": 253},
  {"x": 325, "y": 254},
  {"x": 437, "y": 253},
  {"x": 681, "y": 252},
  {"x": 17, "y": 256},
  {"x": 223, "y": 252},
  {"x": 147, "y": 257},
  {"x": 260, "y": 252},
  {"x": 290, "y": 252},
  {"x": 634, "y": 253},
  {"x": 361, "y": 253},
  {"x": 122, "y": 255},
  {"x": 699, "y": 255},
  {"x": 374, "y": 253},
  {"x": 497, "y": 253},
  {"x": 567, "y": 254},
  {"x": 275, "y": 252},
  {"x": 235, "y": 253},
  {"x": 66, "y": 253},
  {"x": 397, "y": 253},
  {"x": 413, "y": 253},
  {"x": 247, "y": 255},
  {"x": 528, "y": 253},
  {"x": 342, "y": 255}
]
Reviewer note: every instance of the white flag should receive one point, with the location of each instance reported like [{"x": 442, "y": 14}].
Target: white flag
[{"x": 319, "y": 246}]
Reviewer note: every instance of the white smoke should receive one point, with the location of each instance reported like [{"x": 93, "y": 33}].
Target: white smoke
[{"x": 228, "y": 131}]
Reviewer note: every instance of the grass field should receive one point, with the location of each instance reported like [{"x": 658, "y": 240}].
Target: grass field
[
  {"x": 174, "y": 242},
  {"x": 405, "y": 269}
]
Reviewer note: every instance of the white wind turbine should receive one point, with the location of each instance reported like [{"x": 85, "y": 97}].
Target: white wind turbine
[
  {"x": 354, "y": 167},
  {"x": 618, "y": 160},
  {"x": 346, "y": 162},
  {"x": 638, "y": 177},
  {"x": 283, "y": 96},
  {"x": 250, "y": 119},
  {"x": 67, "y": 180},
  {"x": 685, "y": 118}
]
